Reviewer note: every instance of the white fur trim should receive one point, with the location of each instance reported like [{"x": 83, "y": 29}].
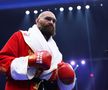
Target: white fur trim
[
  {"x": 20, "y": 70},
  {"x": 63, "y": 86}
]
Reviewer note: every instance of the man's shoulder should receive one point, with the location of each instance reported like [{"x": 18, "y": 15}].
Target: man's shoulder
[
  {"x": 17, "y": 34},
  {"x": 24, "y": 33}
]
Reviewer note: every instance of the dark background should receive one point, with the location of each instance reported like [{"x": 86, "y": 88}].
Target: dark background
[{"x": 80, "y": 35}]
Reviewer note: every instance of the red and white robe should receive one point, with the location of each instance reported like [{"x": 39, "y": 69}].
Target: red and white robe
[{"x": 14, "y": 60}]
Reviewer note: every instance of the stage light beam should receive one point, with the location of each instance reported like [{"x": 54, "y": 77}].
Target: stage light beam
[{"x": 76, "y": 67}]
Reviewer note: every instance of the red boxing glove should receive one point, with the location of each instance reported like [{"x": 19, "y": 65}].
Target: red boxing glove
[
  {"x": 65, "y": 73},
  {"x": 42, "y": 59}
]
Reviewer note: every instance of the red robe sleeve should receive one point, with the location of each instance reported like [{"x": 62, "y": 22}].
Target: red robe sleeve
[{"x": 9, "y": 52}]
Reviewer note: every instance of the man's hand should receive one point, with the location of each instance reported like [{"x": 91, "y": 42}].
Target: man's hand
[
  {"x": 65, "y": 73},
  {"x": 40, "y": 59}
]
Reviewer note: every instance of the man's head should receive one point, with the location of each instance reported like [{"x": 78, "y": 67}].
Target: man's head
[{"x": 46, "y": 22}]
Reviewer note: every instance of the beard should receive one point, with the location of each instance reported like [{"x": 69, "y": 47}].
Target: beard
[{"x": 47, "y": 30}]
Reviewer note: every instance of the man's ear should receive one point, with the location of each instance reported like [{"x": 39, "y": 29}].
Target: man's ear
[{"x": 37, "y": 20}]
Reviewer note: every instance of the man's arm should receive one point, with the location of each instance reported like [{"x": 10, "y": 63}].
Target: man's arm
[
  {"x": 40, "y": 59},
  {"x": 17, "y": 66},
  {"x": 8, "y": 53}
]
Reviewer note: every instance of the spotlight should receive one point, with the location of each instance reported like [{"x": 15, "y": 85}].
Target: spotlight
[
  {"x": 41, "y": 10},
  {"x": 78, "y": 7},
  {"x": 87, "y": 6},
  {"x": 101, "y": 4},
  {"x": 27, "y": 12},
  {"x": 55, "y": 8},
  {"x": 48, "y": 9},
  {"x": 61, "y": 9},
  {"x": 70, "y": 8},
  {"x": 72, "y": 63},
  {"x": 83, "y": 62},
  {"x": 77, "y": 65},
  {"x": 35, "y": 11}
]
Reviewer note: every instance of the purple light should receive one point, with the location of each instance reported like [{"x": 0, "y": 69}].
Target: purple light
[
  {"x": 72, "y": 63},
  {"x": 91, "y": 75},
  {"x": 83, "y": 62}
]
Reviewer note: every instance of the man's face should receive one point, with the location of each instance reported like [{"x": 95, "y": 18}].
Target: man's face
[{"x": 47, "y": 23}]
